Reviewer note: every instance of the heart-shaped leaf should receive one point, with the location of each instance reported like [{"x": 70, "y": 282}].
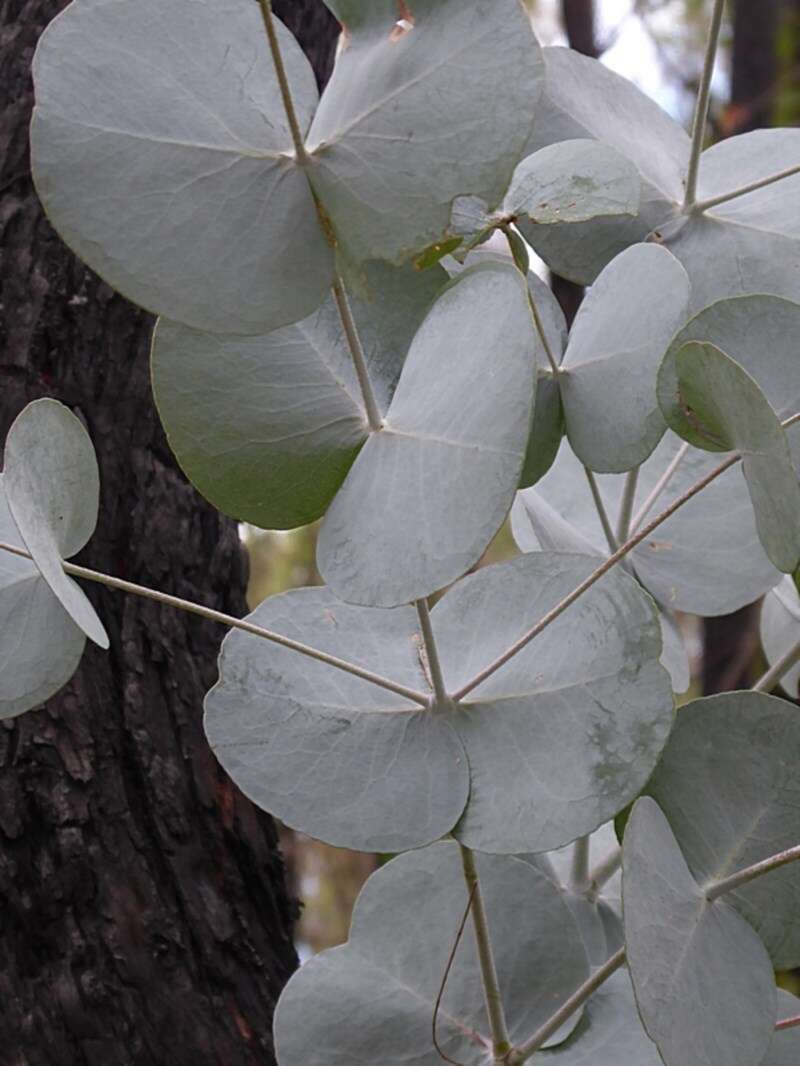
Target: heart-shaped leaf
[
  {"x": 703, "y": 981},
  {"x": 705, "y": 559},
  {"x": 162, "y": 155},
  {"x": 620, "y": 334},
  {"x": 52, "y": 487},
  {"x": 583, "y": 98},
  {"x": 336, "y": 757},
  {"x": 267, "y": 427},
  {"x": 427, "y": 492},
  {"x": 713, "y": 403},
  {"x": 780, "y": 630},
  {"x": 728, "y": 812},
  {"x": 40, "y": 645},
  {"x": 572, "y": 181},
  {"x": 385, "y": 980},
  {"x": 402, "y": 128}
]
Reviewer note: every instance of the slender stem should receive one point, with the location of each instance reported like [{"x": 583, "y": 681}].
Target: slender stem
[
  {"x": 432, "y": 653},
  {"x": 750, "y": 873},
  {"x": 626, "y": 506},
  {"x": 475, "y": 1037},
  {"x": 300, "y": 153},
  {"x": 234, "y": 623},
  {"x": 659, "y": 487},
  {"x": 603, "y": 872},
  {"x": 788, "y": 1023},
  {"x": 602, "y": 513},
  {"x": 762, "y": 183},
  {"x": 357, "y": 352},
  {"x": 579, "y": 872},
  {"x": 491, "y": 986},
  {"x": 594, "y": 577},
  {"x": 567, "y": 1009},
  {"x": 701, "y": 109},
  {"x": 782, "y": 666},
  {"x": 537, "y": 318}
]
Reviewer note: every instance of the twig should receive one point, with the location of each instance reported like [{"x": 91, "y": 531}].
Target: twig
[
  {"x": 440, "y": 995},
  {"x": 301, "y": 155},
  {"x": 357, "y": 352},
  {"x": 782, "y": 666},
  {"x": 701, "y": 109},
  {"x": 715, "y": 201},
  {"x": 750, "y": 873}
]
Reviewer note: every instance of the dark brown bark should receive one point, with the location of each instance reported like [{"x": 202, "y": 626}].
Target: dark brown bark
[{"x": 144, "y": 918}]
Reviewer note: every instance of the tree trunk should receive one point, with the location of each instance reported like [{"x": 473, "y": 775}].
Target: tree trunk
[
  {"x": 731, "y": 641},
  {"x": 144, "y": 918}
]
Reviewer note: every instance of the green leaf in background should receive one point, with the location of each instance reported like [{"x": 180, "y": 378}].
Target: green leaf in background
[
  {"x": 729, "y": 812},
  {"x": 780, "y": 630},
  {"x": 385, "y": 980},
  {"x": 267, "y": 427},
  {"x": 718, "y": 406},
  {"x": 52, "y": 487},
  {"x": 703, "y": 981},
  {"x": 428, "y": 492},
  {"x": 402, "y": 128},
  {"x": 705, "y": 559},
  {"x": 618, "y": 339},
  {"x": 162, "y": 155},
  {"x": 336, "y": 757},
  {"x": 40, "y": 645}
]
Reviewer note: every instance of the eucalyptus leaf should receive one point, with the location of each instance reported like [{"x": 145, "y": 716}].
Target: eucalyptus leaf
[
  {"x": 780, "y": 630},
  {"x": 267, "y": 427},
  {"x": 447, "y": 461},
  {"x": 52, "y": 487},
  {"x": 572, "y": 181},
  {"x": 402, "y": 128},
  {"x": 702, "y": 979},
  {"x": 573, "y": 739},
  {"x": 385, "y": 980},
  {"x": 40, "y": 645},
  {"x": 712, "y": 402},
  {"x": 162, "y": 155},
  {"x": 705, "y": 559},
  {"x": 729, "y": 811},
  {"x": 620, "y": 334}
]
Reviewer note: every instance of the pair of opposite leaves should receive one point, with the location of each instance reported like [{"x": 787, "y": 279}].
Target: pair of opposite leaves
[{"x": 702, "y": 978}]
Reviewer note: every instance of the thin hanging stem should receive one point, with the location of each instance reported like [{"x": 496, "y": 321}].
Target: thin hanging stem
[
  {"x": 626, "y": 506},
  {"x": 603, "y": 872},
  {"x": 600, "y": 507},
  {"x": 537, "y": 318},
  {"x": 567, "y": 1009},
  {"x": 234, "y": 623},
  {"x": 579, "y": 870},
  {"x": 475, "y": 1037},
  {"x": 432, "y": 653},
  {"x": 594, "y": 577},
  {"x": 301, "y": 155},
  {"x": 701, "y": 108},
  {"x": 782, "y": 666},
  {"x": 659, "y": 487},
  {"x": 357, "y": 352},
  {"x": 501, "y": 1044},
  {"x": 750, "y": 873},
  {"x": 762, "y": 183}
]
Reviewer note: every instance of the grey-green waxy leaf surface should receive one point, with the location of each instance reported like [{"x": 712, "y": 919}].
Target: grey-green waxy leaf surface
[
  {"x": 402, "y": 128},
  {"x": 713, "y": 403},
  {"x": 162, "y": 155},
  {"x": 40, "y": 645},
  {"x": 610, "y": 1033},
  {"x": 750, "y": 244},
  {"x": 573, "y": 725},
  {"x": 572, "y": 181},
  {"x": 705, "y": 559},
  {"x": 728, "y": 812},
  {"x": 372, "y": 1000},
  {"x": 429, "y": 490},
  {"x": 583, "y": 99},
  {"x": 619, "y": 337},
  {"x": 780, "y": 630},
  {"x": 52, "y": 488},
  {"x": 267, "y": 427},
  {"x": 702, "y": 979}
]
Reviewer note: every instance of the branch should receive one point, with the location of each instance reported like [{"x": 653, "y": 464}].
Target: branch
[
  {"x": 432, "y": 655},
  {"x": 659, "y": 487},
  {"x": 626, "y": 506},
  {"x": 715, "y": 201},
  {"x": 602, "y": 513},
  {"x": 782, "y": 666},
  {"x": 701, "y": 109},
  {"x": 235, "y": 623},
  {"x": 301, "y": 155},
  {"x": 357, "y": 352},
  {"x": 750, "y": 873}
]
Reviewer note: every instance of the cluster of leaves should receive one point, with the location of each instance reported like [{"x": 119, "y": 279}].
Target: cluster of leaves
[{"x": 337, "y": 340}]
